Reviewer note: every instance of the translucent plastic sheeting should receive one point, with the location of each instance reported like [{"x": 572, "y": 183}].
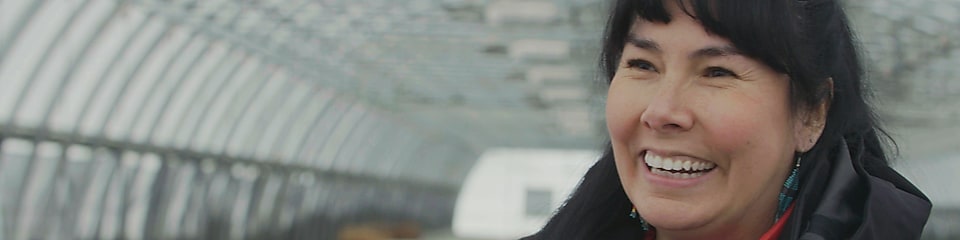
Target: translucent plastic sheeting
[{"x": 214, "y": 119}]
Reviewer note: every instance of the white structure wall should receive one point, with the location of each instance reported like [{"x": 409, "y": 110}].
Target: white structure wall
[{"x": 493, "y": 202}]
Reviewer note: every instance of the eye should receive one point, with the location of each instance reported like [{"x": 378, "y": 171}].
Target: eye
[
  {"x": 640, "y": 64},
  {"x": 716, "y": 72}
]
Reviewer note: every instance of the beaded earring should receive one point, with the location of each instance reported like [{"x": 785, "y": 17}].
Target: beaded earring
[
  {"x": 635, "y": 215},
  {"x": 789, "y": 191}
]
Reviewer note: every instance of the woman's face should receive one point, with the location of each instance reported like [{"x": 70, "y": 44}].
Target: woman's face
[{"x": 703, "y": 136}]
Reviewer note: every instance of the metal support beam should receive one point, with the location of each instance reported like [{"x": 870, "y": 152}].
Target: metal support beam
[
  {"x": 166, "y": 70},
  {"x": 45, "y": 57},
  {"x": 286, "y": 126},
  {"x": 260, "y": 81},
  {"x": 197, "y": 157},
  {"x": 68, "y": 76},
  {"x": 17, "y": 31},
  {"x": 129, "y": 77}
]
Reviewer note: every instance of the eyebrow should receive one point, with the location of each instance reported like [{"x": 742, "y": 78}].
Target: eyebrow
[
  {"x": 716, "y": 51},
  {"x": 711, "y": 51},
  {"x": 644, "y": 43}
]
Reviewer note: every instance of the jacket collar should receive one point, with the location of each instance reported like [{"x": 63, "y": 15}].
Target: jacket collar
[{"x": 840, "y": 199}]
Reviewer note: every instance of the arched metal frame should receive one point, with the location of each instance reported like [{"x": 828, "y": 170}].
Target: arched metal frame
[
  {"x": 343, "y": 157},
  {"x": 194, "y": 80},
  {"x": 235, "y": 107},
  {"x": 189, "y": 134},
  {"x": 325, "y": 152},
  {"x": 263, "y": 143},
  {"x": 163, "y": 127}
]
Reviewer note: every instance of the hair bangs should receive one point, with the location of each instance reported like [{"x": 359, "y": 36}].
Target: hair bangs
[
  {"x": 768, "y": 31},
  {"x": 762, "y": 29}
]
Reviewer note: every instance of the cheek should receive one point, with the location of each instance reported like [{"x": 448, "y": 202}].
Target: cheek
[
  {"x": 760, "y": 132},
  {"x": 617, "y": 121},
  {"x": 622, "y": 112},
  {"x": 623, "y": 122},
  {"x": 731, "y": 128}
]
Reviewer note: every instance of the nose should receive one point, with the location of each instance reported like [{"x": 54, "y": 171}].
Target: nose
[{"x": 666, "y": 111}]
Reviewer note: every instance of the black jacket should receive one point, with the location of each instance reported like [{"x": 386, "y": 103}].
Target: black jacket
[{"x": 843, "y": 199}]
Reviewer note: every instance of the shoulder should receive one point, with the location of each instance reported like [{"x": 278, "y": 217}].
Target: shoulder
[
  {"x": 854, "y": 201},
  {"x": 894, "y": 207}
]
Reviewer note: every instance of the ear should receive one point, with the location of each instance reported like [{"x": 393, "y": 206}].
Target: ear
[{"x": 810, "y": 123}]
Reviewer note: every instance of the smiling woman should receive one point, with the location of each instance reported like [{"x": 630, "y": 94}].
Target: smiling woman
[
  {"x": 737, "y": 120},
  {"x": 688, "y": 101}
]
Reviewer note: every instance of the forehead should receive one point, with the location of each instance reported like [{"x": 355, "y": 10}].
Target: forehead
[
  {"x": 683, "y": 33},
  {"x": 682, "y": 26}
]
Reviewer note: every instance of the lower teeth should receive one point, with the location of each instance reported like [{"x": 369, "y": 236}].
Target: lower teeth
[{"x": 670, "y": 174}]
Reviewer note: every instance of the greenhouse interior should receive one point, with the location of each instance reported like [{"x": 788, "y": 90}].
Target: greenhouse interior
[{"x": 368, "y": 119}]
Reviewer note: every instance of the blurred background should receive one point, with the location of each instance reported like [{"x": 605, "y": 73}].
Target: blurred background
[{"x": 372, "y": 119}]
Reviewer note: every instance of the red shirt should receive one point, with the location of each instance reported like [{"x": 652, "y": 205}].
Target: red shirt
[{"x": 774, "y": 232}]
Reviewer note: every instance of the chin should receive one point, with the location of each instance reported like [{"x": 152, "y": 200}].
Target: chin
[{"x": 672, "y": 214}]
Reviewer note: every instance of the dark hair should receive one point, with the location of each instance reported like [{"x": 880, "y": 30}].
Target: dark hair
[{"x": 810, "y": 41}]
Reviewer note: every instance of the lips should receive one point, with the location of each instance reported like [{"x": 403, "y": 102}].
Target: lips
[{"x": 676, "y": 168}]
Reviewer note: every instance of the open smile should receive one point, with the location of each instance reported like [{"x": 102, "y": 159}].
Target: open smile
[{"x": 676, "y": 168}]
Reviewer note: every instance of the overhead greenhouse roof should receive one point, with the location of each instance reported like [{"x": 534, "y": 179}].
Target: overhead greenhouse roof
[{"x": 159, "y": 115}]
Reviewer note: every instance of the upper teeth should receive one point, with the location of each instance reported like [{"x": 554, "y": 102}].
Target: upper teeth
[{"x": 656, "y": 161}]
